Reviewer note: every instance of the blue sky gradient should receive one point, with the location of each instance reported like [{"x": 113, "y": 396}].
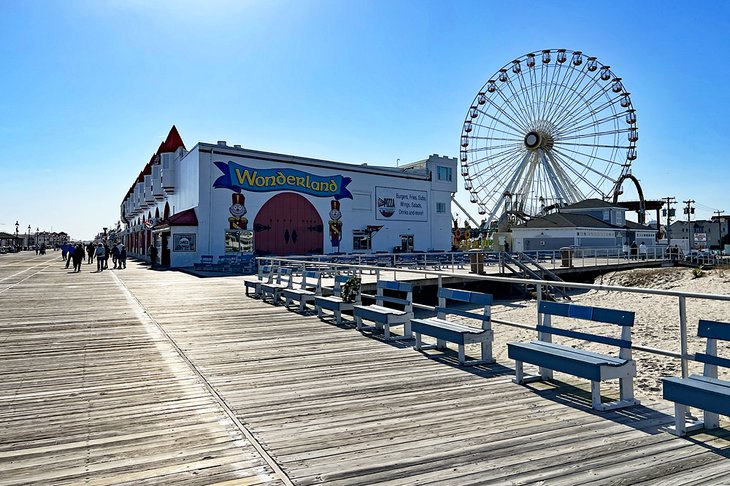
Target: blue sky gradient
[{"x": 90, "y": 88}]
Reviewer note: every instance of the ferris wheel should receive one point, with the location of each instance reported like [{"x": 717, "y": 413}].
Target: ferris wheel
[{"x": 550, "y": 128}]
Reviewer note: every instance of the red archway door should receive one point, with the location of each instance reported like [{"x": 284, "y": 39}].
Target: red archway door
[{"x": 288, "y": 224}]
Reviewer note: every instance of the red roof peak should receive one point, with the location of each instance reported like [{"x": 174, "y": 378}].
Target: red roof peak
[{"x": 172, "y": 142}]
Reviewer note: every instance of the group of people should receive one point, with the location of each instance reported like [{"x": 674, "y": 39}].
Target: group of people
[
  {"x": 635, "y": 251},
  {"x": 102, "y": 251}
]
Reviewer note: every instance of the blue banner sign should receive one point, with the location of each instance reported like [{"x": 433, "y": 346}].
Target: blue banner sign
[{"x": 237, "y": 177}]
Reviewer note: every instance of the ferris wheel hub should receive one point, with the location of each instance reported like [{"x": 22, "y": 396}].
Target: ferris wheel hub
[{"x": 536, "y": 139}]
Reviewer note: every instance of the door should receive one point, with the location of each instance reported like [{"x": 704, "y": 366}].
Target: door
[
  {"x": 288, "y": 224},
  {"x": 165, "y": 256}
]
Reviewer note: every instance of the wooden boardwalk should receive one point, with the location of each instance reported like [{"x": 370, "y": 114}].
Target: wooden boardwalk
[{"x": 138, "y": 376}]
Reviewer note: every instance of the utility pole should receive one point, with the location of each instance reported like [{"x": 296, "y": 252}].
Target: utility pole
[
  {"x": 719, "y": 228},
  {"x": 670, "y": 213},
  {"x": 689, "y": 211}
]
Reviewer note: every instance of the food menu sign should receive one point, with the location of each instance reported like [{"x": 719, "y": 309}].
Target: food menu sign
[{"x": 395, "y": 204}]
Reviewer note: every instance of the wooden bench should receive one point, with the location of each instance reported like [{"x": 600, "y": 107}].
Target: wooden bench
[
  {"x": 335, "y": 302},
  {"x": 706, "y": 391},
  {"x": 306, "y": 291},
  {"x": 255, "y": 285},
  {"x": 584, "y": 364},
  {"x": 385, "y": 317},
  {"x": 280, "y": 278},
  {"x": 448, "y": 331}
]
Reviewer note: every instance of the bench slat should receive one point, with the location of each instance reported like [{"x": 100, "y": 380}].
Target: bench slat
[
  {"x": 713, "y": 360},
  {"x": 597, "y": 314},
  {"x": 393, "y": 285},
  {"x": 621, "y": 343},
  {"x": 463, "y": 313},
  {"x": 465, "y": 296},
  {"x": 393, "y": 300},
  {"x": 562, "y": 358},
  {"x": 447, "y": 331},
  {"x": 697, "y": 393},
  {"x": 714, "y": 330}
]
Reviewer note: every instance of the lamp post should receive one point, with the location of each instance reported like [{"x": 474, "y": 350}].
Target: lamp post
[
  {"x": 15, "y": 244},
  {"x": 27, "y": 239}
]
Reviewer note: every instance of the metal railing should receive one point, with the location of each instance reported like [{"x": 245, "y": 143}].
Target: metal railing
[{"x": 683, "y": 355}]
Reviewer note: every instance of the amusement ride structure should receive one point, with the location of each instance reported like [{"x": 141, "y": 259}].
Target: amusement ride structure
[{"x": 548, "y": 129}]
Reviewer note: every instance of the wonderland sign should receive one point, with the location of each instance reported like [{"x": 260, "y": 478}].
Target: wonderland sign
[{"x": 237, "y": 177}]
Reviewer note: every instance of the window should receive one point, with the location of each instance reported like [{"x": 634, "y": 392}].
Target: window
[
  {"x": 444, "y": 173},
  {"x": 440, "y": 207},
  {"x": 361, "y": 240},
  {"x": 362, "y": 201},
  {"x": 239, "y": 241}
]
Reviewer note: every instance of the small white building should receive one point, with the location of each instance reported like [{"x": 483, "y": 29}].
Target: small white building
[
  {"x": 592, "y": 223},
  {"x": 216, "y": 200}
]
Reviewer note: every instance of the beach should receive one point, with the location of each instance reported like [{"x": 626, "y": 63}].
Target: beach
[{"x": 656, "y": 323}]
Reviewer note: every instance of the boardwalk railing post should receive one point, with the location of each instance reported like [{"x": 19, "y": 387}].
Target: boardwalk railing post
[{"x": 683, "y": 334}]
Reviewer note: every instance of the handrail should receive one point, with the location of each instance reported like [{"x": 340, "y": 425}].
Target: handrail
[{"x": 683, "y": 355}]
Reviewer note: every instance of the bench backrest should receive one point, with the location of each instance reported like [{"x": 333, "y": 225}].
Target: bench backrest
[
  {"x": 283, "y": 276},
  {"x": 465, "y": 296},
  {"x": 404, "y": 289},
  {"x": 712, "y": 331},
  {"x": 264, "y": 270},
  {"x": 625, "y": 319},
  {"x": 311, "y": 278}
]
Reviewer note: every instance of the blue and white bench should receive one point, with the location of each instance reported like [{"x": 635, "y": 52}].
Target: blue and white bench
[
  {"x": 335, "y": 302},
  {"x": 385, "y": 317},
  {"x": 306, "y": 292},
  {"x": 706, "y": 391},
  {"x": 281, "y": 278},
  {"x": 206, "y": 263},
  {"x": 448, "y": 331},
  {"x": 584, "y": 364},
  {"x": 255, "y": 285}
]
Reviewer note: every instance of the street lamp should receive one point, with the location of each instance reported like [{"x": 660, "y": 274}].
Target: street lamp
[
  {"x": 27, "y": 239},
  {"x": 16, "y": 236}
]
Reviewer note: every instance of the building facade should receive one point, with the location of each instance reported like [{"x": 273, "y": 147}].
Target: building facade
[
  {"x": 592, "y": 223},
  {"x": 217, "y": 199}
]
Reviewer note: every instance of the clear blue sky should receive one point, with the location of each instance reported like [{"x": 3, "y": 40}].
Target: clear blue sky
[{"x": 90, "y": 88}]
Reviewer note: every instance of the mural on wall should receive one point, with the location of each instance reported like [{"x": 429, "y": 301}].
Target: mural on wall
[
  {"x": 335, "y": 225},
  {"x": 237, "y": 210},
  {"x": 237, "y": 178},
  {"x": 183, "y": 242}
]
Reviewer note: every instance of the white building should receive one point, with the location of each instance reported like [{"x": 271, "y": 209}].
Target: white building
[
  {"x": 216, "y": 200},
  {"x": 592, "y": 223}
]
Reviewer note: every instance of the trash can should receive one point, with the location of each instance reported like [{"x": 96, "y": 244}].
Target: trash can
[
  {"x": 476, "y": 258},
  {"x": 566, "y": 255}
]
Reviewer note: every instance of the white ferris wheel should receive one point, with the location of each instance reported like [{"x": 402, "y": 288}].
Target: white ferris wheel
[{"x": 548, "y": 129}]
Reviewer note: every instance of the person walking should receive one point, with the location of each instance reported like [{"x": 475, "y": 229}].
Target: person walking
[
  {"x": 115, "y": 255},
  {"x": 122, "y": 256},
  {"x": 107, "y": 251},
  {"x": 634, "y": 250},
  {"x": 64, "y": 253},
  {"x": 153, "y": 256},
  {"x": 626, "y": 250},
  {"x": 99, "y": 257},
  {"x": 70, "y": 250},
  {"x": 90, "y": 252},
  {"x": 643, "y": 250},
  {"x": 78, "y": 257}
]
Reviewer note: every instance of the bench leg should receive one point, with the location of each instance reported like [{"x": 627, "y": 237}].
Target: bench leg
[
  {"x": 319, "y": 312},
  {"x": 417, "y": 346},
  {"x": 302, "y": 305},
  {"x": 358, "y": 323},
  {"x": 519, "y": 373},
  {"x": 462, "y": 355},
  {"x": 546, "y": 373},
  {"x": 407, "y": 330},
  {"x": 596, "y": 395},
  {"x": 487, "y": 352},
  {"x": 338, "y": 317},
  {"x": 386, "y": 331},
  {"x": 440, "y": 344},
  {"x": 712, "y": 420},
  {"x": 626, "y": 387},
  {"x": 683, "y": 423}
]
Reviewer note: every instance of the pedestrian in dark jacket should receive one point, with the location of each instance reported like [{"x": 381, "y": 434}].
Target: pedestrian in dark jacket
[
  {"x": 78, "y": 257},
  {"x": 122, "y": 256},
  {"x": 107, "y": 251},
  {"x": 115, "y": 255},
  {"x": 90, "y": 252},
  {"x": 70, "y": 252}
]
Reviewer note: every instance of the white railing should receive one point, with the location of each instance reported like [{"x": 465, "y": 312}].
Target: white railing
[{"x": 683, "y": 355}]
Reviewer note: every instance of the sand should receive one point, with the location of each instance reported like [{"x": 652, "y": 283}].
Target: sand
[{"x": 656, "y": 323}]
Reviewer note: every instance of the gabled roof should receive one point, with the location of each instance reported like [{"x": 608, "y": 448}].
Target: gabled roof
[
  {"x": 172, "y": 142},
  {"x": 591, "y": 204},
  {"x": 567, "y": 220},
  {"x": 632, "y": 225},
  {"x": 183, "y": 218}
]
